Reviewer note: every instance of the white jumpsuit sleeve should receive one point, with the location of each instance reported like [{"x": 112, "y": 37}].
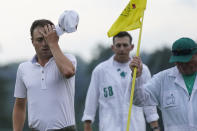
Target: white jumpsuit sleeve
[
  {"x": 149, "y": 93},
  {"x": 149, "y": 111},
  {"x": 92, "y": 98},
  {"x": 20, "y": 89}
]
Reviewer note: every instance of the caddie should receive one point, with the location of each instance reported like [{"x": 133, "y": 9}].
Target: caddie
[
  {"x": 173, "y": 90},
  {"x": 109, "y": 93}
]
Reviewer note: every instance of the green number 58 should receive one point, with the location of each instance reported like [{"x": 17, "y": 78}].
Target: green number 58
[{"x": 108, "y": 91}]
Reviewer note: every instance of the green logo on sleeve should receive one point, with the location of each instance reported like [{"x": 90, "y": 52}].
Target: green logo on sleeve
[{"x": 108, "y": 91}]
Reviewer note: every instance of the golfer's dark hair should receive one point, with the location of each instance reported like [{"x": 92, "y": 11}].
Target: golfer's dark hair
[
  {"x": 39, "y": 23},
  {"x": 123, "y": 34}
]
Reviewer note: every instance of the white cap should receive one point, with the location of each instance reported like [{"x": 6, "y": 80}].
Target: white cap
[{"x": 67, "y": 22}]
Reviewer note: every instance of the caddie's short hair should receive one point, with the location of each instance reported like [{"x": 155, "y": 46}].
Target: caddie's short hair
[{"x": 123, "y": 34}]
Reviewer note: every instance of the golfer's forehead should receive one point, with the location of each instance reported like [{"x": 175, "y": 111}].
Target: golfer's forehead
[{"x": 36, "y": 32}]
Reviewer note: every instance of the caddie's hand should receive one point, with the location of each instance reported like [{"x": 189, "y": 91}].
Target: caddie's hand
[
  {"x": 50, "y": 34},
  {"x": 87, "y": 126},
  {"x": 136, "y": 62}
]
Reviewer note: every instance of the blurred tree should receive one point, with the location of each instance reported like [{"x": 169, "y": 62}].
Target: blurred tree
[
  {"x": 158, "y": 60},
  {"x": 4, "y": 121},
  {"x": 100, "y": 54},
  {"x": 7, "y": 76},
  {"x": 81, "y": 85},
  {"x": 7, "y": 82}
]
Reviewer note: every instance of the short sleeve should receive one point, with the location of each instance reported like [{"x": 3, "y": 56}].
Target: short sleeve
[{"x": 20, "y": 88}]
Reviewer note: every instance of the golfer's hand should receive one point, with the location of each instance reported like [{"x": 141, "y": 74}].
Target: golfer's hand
[
  {"x": 136, "y": 62},
  {"x": 50, "y": 35}
]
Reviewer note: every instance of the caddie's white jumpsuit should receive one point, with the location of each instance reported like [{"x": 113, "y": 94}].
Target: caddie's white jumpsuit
[
  {"x": 167, "y": 90},
  {"x": 108, "y": 90}
]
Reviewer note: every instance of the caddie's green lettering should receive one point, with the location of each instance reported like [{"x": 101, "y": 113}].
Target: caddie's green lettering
[
  {"x": 108, "y": 91},
  {"x": 105, "y": 92}
]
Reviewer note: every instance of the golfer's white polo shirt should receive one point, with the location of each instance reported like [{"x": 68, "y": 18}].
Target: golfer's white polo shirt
[{"x": 50, "y": 95}]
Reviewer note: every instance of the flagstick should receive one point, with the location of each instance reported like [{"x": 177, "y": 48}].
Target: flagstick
[{"x": 134, "y": 77}]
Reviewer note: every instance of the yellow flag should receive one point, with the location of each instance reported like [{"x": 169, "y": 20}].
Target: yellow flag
[{"x": 130, "y": 18}]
